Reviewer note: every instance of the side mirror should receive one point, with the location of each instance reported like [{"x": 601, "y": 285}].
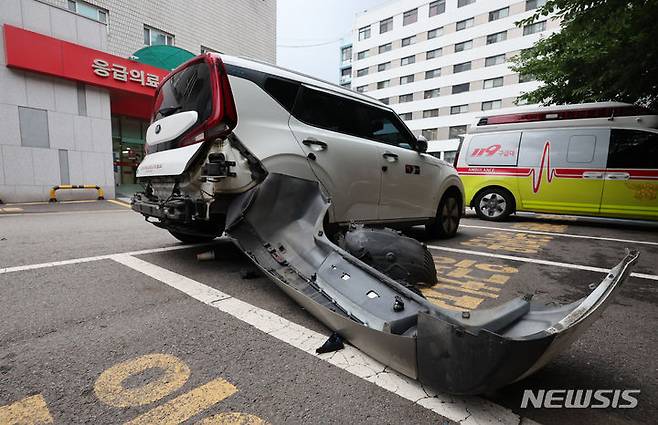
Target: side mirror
[{"x": 421, "y": 144}]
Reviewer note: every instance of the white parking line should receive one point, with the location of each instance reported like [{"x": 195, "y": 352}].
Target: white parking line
[
  {"x": 466, "y": 410},
  {"x": 537, "y": 261},
  {"x": 566, "y": 235},
  {"x": 95, "y": 258}
]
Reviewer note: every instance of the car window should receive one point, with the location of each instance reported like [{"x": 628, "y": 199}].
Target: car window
[
  {"x": 283, "y": 91},
  {"x": 581, "y": 148},
  {"x": 347, "y": 116},
  {"x": 187, "y": 90},
  {"x": 633, "y": 149}
]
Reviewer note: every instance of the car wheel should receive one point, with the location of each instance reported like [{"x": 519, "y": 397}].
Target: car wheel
[
  {"x": 186, "y": 238},
  {"x": 448, "y": 214},
  {"x": 494, "y": 204}
]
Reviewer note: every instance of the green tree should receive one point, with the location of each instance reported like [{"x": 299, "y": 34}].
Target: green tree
[{"x": 606, "y": 50}]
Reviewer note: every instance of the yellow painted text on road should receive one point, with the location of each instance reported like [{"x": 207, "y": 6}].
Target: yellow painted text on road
[
  {"x": 110, "y": 388},
  {"x": 28, "y": 411}
]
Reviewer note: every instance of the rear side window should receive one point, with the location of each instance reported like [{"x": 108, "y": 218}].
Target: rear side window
[
  {"x": 633, "y": 149},
  {"x": 187, "y": 90},
  {"x": 347, "y": 116},
  {"x": 283, "y": 91},
  {"x": 581, "y": 149},
  {"x": 500, "y": 149}
]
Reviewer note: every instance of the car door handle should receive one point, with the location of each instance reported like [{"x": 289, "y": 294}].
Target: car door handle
[
  {"x": 315, "y": 144},
  {"x": 390, "y": 156},
  {"x": 617, "y": 176},
  {"x": 592, "y": 175}
]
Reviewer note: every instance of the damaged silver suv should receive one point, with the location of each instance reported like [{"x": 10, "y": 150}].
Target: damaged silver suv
[
  {"x": 222, "y": 123},
  {"x": 281, "y": 162}
]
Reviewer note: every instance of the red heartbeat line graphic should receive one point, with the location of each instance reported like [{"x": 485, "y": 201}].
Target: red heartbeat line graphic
[{"x": 550, "y": 172}]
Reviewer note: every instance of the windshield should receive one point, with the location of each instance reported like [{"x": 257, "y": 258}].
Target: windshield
[{"x": 187, "y": 90}]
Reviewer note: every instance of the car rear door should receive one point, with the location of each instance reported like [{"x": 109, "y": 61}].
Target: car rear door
[
  {"x": 630, "y": 188},
  {"x": 563, "y": 170},
  {"x": 327, "y": 125}
]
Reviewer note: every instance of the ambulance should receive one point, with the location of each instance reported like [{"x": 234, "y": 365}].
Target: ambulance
[{"x": 597, "y": 159}]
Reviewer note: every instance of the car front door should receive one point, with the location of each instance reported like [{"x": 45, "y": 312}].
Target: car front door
[
  {"x": 406, "y": 182},
  {"x": 630, "y": 188},
  {"x": 327, "y": 127}
]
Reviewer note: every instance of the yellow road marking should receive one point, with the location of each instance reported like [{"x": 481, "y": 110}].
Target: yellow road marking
[
  {"x": 120, "y": 203},
  {"x": 527, "y": 243},
  {"x": 233, "y": 418},
  {"x": 187, "y": 405},
  {"x": 541, "y": 227},
  {"x": 110, "y": 390},
  {"x": 50, "y": 203},
  {"x": 28, "y": 411}
]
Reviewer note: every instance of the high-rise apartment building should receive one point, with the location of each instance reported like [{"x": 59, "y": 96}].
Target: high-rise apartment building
[{"x": 440, "y": 64}]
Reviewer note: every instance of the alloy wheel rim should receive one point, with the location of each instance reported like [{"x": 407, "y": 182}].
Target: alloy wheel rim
[{"x": 492, "y": 205}]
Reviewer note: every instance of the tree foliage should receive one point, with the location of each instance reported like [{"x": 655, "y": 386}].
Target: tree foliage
[{"x": 606, "y": 50}]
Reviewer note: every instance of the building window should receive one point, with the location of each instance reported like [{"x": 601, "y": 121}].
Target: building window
[
  {"x": 81, "y": 92},
  {"x": 430, "y": 133},
  {"x": 88, "y": 10},
  {"x": 346, "y": 54},
  {"x": 364, "y": 33},
  {"x": 431, "y": 93},
  {"x": 524, "y": 78},
  {"x": 403, "y": 98},
  {"x": 461, "y": 67},
  {"x": 153, "y": 37},
  {"x": 493, "y": 82},
  {"x": 407, "y": 79},
  {"x": 362, "y": 54},
  {"x": 386, "y": 25},
  {"x": 345, "y": 72},
  {"x": 383, "y": 84},
  {"x": 534, "y": 28},
  {"x": 461, "y": 88},
  {"x": 534, "y": 4},
  {"x": 494, "y": 60},
  {"x": 492, "y": 104},
  {"x": 458, "y": 109},
  {"x": 431, "y": 54},
  {"x": 383, "y": 66},
  {"x": 408, "y": 41},
  {"x": 436, "y": 32},
  {"x": 409, "y": 17},
  {"x": 362, "y": 89},
  {"x": 455, "y": 131},
  {"x": 466, "y": 23},
  {"x": 462, "y": 3},
  {"x": 499, "y": 14},
  {"x": 464, "y": 45},
  {"x": 362, "y": 72},
  {"x": 497, "y": 37},
  {"x": 408, "y": 60},
  {"x": 385, "y": 48},
  {"x": 33, "y": 124},
  {"x": 431, "y": 113},
  {"x": 407, "y": 116},
  {"x": 437, "y": 7},
  {"x": 384, "y": 100},
  {"x": 433, "y": 73}
]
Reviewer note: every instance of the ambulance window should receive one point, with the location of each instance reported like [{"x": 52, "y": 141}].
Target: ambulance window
[
  {"x": 633, "y": 149},
  {"x": 581, "y": 149},
  {"x": 493, "y": 149}
]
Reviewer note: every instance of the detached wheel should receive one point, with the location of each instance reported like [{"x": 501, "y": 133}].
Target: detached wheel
[
  {"x": 191, "y": 239},
  {"x": 494, "y": 204},
  {"x": 448, "y": 214}
]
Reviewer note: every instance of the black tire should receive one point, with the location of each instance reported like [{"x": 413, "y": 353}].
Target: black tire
[
  {"x": 494, "y": 204},
  {"x": 448, "y": 214},
  {"x": 186, "y": 238}
]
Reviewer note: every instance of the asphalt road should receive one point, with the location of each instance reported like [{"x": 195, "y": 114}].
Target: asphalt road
[{"x": 97, "y": 341}]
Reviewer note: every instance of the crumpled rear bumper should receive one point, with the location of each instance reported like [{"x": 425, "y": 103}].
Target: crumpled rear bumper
[{"x": 278, "y": 224}]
